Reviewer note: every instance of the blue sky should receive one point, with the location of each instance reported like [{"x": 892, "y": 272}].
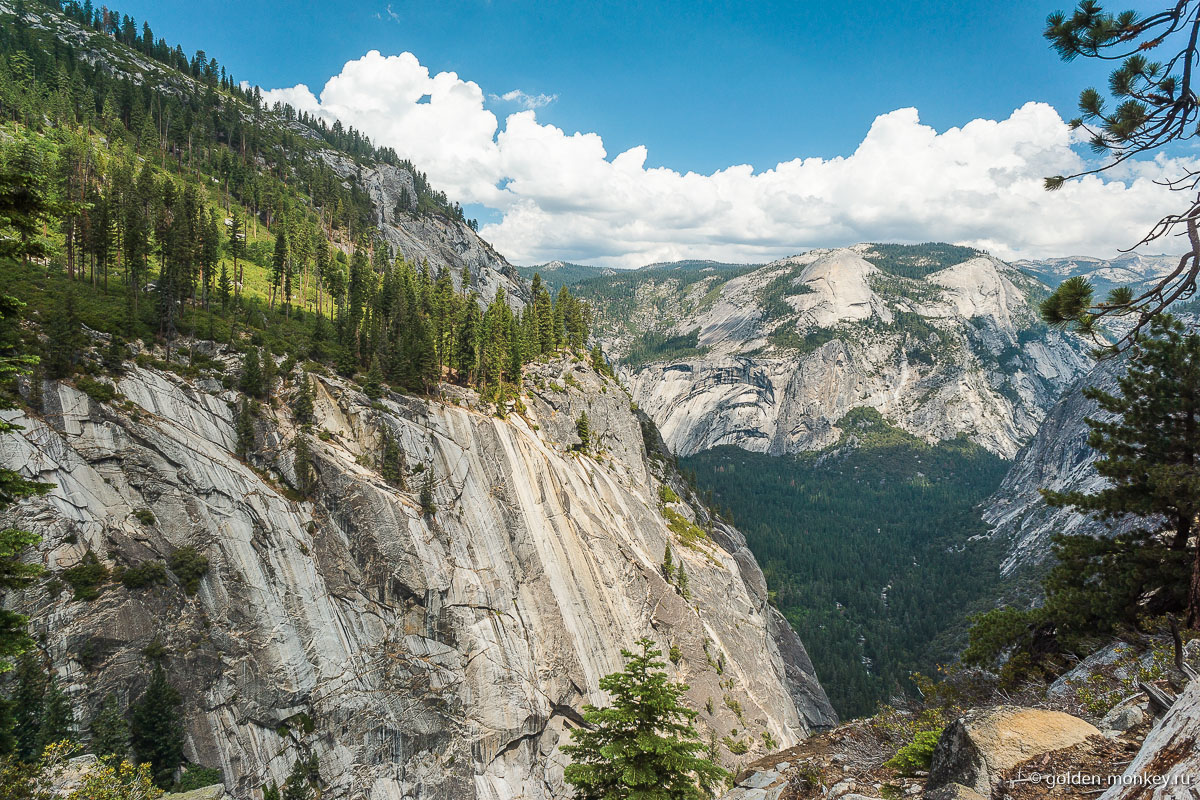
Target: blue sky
[{"x": 702, "y": 86}]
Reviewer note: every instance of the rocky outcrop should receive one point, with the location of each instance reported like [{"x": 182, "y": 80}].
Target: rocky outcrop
[
  {"x": 1168, "y": 764},
  {"x": 976, "y": 748},
  {"x": 1058, "y": 458},
  {"x": 430, "y": 238},
  {"x": 790, "y": 348},
  {"x": 440, "y": 655}
]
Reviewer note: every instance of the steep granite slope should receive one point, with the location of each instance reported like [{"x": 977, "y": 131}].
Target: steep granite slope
[
  {"x": 433, "y": 239},
  {"x": 435, "y": 655},
  {"x": 1057, "y": 458},
  {"x": 770, "y": 359}
]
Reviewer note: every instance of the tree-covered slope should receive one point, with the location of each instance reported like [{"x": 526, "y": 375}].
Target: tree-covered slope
[
  {"x": 185, "y": 207},
  {"x": 869, "y": 548}
]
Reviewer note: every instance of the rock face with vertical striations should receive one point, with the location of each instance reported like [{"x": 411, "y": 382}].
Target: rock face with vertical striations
[
  {"x": 440, "y": 655},
  {"x": 1060, "y": 459}
]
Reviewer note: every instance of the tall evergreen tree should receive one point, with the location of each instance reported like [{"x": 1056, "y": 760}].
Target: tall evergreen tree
[
  {"x": 391, "y": 460},
  {"x": 305, "y": 475},
  {"x": 279, "y": 265},
  {"x": 643, "y": 745},
  {"x": 302, "y": 409},
  {"x": 237, "y": 247},
  {"x": 244, "y": 429},
  {"x": 28, "y": 695},
  {"x": 1150, "y": 450},
  {"x": 224, "y": 288},
  {"x": 373, "y": 385},
  {"x": 58, "y": 720},
  {"x": 65, "y": 339},
  {"x": 15, "y": 572},
  {"x": 252, "y": 381},
  {"x": 110, "y": 731},
  {"x": 25, "y": 201},
  {"x": 428, "y": 505},
  {"x": 155, "y": 727}
]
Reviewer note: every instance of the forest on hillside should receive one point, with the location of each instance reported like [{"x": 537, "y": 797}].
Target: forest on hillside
[
  {"x": 867, "y": 549},
  {"x": 187, "y": 208}
]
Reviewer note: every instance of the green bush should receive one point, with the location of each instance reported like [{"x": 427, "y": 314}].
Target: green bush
[
  {"x": 144, "y": 516},
  {"x": 667, "y": 495},
  {"x": 917, "y": 754},
  {"x": 189, "y": 567},
  {"x": 99, "y": 391},
  {"x": 87, "y": 577},
  {"x": 148, "y": 573},
  {"x": 196, "y": 777}
]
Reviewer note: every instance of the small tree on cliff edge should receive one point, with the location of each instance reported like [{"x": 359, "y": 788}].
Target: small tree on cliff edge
[{"x": 643, "y": 745}]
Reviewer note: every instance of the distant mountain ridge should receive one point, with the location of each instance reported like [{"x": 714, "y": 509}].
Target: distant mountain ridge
[
  {"x": 1137, "y": 270},
  {"x": 941, "y": 340}
]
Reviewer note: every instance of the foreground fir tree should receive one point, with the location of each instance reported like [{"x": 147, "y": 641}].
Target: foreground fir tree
[
  {"x": 110, "y": 731},
  {"x": 156, "y": 730},
  {"x": 643, "y": 746},
  {"x": 1150, "y": 451}
]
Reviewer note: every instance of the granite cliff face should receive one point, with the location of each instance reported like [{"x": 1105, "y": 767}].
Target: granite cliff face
[
  {"x": 436, "y": 655},
  {"x": 434, "y": 239},
  {"x": 774, "y": 357},
  {"x": 1058, "y": 458}
]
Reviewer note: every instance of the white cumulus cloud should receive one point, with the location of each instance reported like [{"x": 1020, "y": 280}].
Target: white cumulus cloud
[
  {"x": 562, "y": 196},
  {"x": 524, "y": 99}
]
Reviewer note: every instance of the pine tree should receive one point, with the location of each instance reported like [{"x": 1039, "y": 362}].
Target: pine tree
[
  {"x": 155, "y": 727},
  {"x": 1150, "y": 451},
  {"x": 65, "y": 339},
  {"x": 302, "y": 409},
  {"x": 8, "y": 725},
  {"x": 279, "y": 259},
  {"x": 15, "y": 572},
  {"x": 237, "y": 246},
  {"x": 427, "y": 502},
  {"x": 244, "y": 428},
  {"x": 251, "y": 381},
  {"x": 582, "y": 427},
  {"x": 373, "y": 385},
  {"x": 25, "y": 204},
  {"x": 110, "y": 731},
  {"x": 29, "y": 695},
  {"x": 298, "y": 785},
  {"x": 681, "y": 582},
  {"x": 270, "y": 370},
  {"x": 643, "y": 745},
  {"x": 1153, "y": 107},
  {"x": 223, "y": 288},
  {"x": 305, "y": 476},
  {"x": 58, "y": 721},
  {"x": 668, "y": 564},
  {"x": 391, "y": 461}
]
